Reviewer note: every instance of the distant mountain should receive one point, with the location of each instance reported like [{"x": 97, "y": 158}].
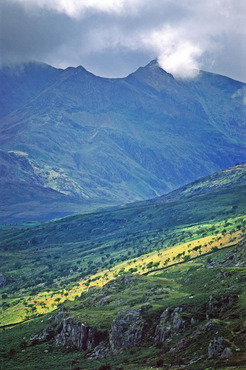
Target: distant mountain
[
  {"x": 21, "y": 83},
  {"x": 119, "y": 140}
]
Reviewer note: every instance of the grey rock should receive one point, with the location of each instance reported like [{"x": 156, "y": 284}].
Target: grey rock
[
  {"x": 100, "y": 351},
  {"x": 126, "y": 331},
  {"x": 3, "y": 280},
  {"x": 219, "y": 303},
  {"x": 216, "y": 347},
  {"x": 145, "y": 307},
  {"x": 104, "y": 301},
  {"x": 171, "y": 323},
  {"x": 46, "y": 334},
  {"x": 227, "y": 353},
  {"x": 192, "y": 321},
  {"x": 75, "y": 334}
]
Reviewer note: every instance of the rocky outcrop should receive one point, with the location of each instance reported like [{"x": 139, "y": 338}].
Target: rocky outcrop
[
  {"x": 67, "y": 331},
  {"x": 126, "y": 330},
  {"x": 75, "y": 334},
  {"x": 170, "y": 323},
  {"x": 219, "y": 303},
  {"x": 218, "y": 347}
]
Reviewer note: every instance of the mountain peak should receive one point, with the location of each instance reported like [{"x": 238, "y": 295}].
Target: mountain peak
[
  {"x": 154, "y": 63},
  {"x": 153, "y": 75}
]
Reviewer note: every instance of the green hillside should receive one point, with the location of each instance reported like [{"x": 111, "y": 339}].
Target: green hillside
[
  {"x": 222, "y": 179},
  {"x": 203, "y": 323},
  {"x": 158, "y": 285}
]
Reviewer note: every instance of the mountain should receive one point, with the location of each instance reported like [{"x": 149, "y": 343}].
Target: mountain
[
  {"x": 21, "y": 83},
  {"x": 119, "y": 140},
  {"x": 151, "y": 285}
]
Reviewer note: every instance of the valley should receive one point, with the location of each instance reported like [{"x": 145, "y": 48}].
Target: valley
[{"x": 158, "y": 282}]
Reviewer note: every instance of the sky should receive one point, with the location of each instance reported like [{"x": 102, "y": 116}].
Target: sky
[{"x": 112, "y": 38}]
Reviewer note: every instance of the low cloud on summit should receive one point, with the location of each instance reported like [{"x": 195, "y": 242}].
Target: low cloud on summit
[{"x": 113, "y": 37}]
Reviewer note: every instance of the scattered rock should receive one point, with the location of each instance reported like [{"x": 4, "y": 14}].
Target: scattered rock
[
  {"x": 192, "y": 321},
  {"x": 216, "y": 348},
  {"x": 3, "y": 280},
  {"x": 145, "y": 307},
  {"x": 227, "y": 353},
  {"x": 218, "y": 303},
  {"x": 100, "y": 351}
]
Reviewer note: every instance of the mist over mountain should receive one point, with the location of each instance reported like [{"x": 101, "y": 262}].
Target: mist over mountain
[{"x": 116, "y": 140}]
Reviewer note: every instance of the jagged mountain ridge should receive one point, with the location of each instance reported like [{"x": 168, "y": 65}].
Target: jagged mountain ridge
[{"x": 123, "y": 139}]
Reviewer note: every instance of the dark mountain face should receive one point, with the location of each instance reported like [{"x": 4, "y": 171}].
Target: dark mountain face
[
  {"x": 21, "y": 83},
  {"x": 119, "y": 139}
]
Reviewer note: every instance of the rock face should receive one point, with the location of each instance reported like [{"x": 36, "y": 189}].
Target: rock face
[
  {"x": 75, "y": 334},
  {"x": 218, "y": 347},
  {"x": 126, "y": 331},
  {"x": 170, "y": 322},
  {"x": 67, "y": 331}
]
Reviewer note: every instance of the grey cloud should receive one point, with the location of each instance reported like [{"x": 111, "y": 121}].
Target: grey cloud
[{"x": 113, "y": 44}]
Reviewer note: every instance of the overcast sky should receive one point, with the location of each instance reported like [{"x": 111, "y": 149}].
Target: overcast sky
[{"x": 112, "y": 38}]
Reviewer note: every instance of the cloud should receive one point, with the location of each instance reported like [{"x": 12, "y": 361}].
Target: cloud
[
  {"x": 177, "y": 55},
  {"x": 113, "y": 37},
  {"x": 240, "y": 95},
  {"x": 77, "y": 8},
  {"x": 181, "y": 60}
]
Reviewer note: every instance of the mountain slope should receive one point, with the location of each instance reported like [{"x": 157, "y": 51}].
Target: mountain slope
[
  {"x": 123, "y": 232},
  {"x": 21, "y": 83},
  {"x": 157, "y": 285},
  {"x": 125, "y": 139},
  {"x": 228, "y": 178}
]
